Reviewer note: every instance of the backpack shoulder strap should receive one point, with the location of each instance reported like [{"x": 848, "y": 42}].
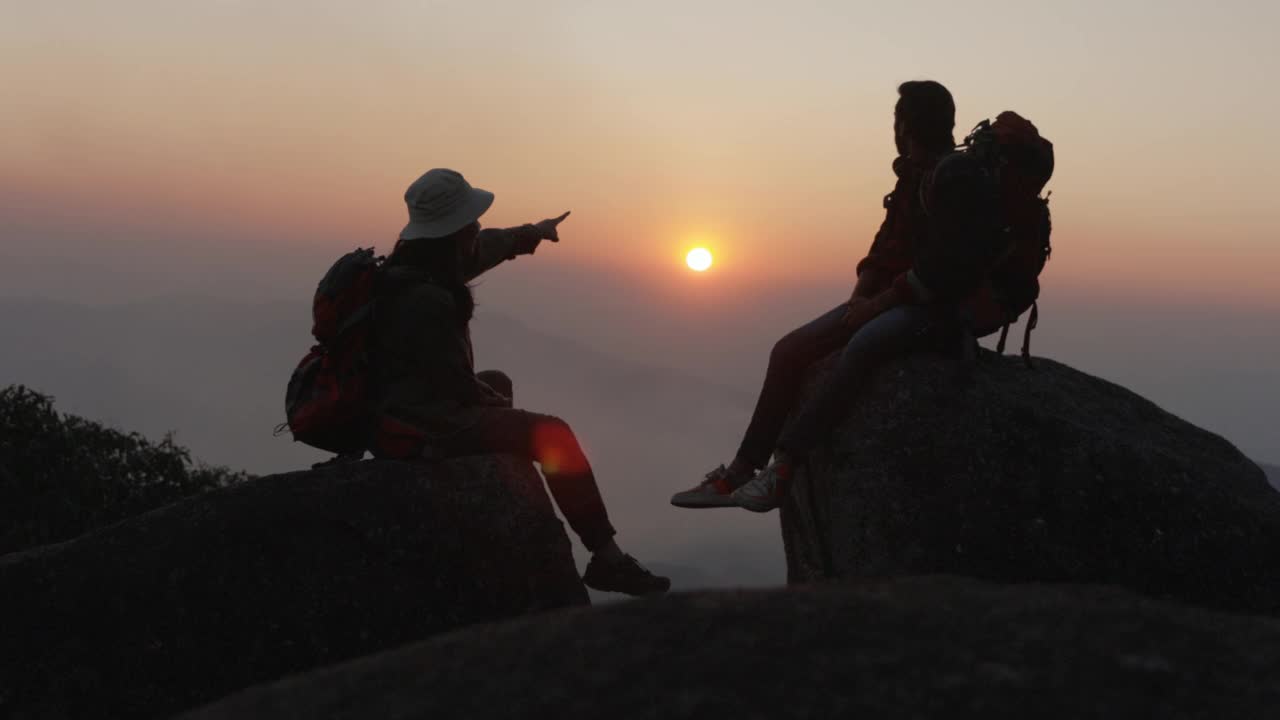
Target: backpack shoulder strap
[{"x": 1032, "y": 320}]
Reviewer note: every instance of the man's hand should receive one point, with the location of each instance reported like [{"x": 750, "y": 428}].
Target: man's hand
[
  {"x": 858, "y": 311},
  {"x": 861, "y": 311},
  {"x": 547, "y": 228}
]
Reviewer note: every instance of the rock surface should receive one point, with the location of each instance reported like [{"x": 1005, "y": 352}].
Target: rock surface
[
  {"x": 1017, "y": 474},
  {"x": 192, "y": 601},
  {"x": 918, "y": 648}
]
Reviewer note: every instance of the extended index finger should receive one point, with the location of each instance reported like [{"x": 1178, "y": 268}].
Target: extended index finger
[{"x": 560, "y": 219}]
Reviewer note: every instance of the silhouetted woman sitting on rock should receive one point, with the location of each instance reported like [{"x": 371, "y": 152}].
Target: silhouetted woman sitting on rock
[{"x": 431, "y": 401}]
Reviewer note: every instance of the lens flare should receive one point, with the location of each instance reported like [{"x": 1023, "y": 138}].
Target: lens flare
[
  {"x": 557, "y": 450},
  {"x": 698, "y": 259}
]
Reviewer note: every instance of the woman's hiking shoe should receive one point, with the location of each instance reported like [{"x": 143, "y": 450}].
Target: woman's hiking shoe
[
  {"x": 766, "y": 490},
  {"x": 624, "y": 575},
  {"x": 713, "y": 492}
]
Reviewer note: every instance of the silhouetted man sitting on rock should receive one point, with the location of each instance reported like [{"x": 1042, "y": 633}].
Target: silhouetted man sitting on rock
[
  {"x": 915, "y": 291},
  {"x": 431, "y": 403}
]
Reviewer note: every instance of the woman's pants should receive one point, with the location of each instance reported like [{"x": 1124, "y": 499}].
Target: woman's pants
[{"x": 548, "y": 441}]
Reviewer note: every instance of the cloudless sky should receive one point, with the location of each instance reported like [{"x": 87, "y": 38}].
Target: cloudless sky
[{"x": 762, "y": 129}]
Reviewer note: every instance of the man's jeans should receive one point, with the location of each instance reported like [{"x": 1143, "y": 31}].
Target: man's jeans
[{"x": 898, "y": 331}]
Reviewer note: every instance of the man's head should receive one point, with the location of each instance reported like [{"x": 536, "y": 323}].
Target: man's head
[{"x": 924, "y": 118}]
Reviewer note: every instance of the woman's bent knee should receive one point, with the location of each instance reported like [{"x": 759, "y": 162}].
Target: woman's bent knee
[
  {"x": 497, "y": 380},
  {"x": 556, "y": 447}
]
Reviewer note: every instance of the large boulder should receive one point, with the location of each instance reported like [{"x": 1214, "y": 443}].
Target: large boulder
[
  {"x": 916, "y": 648},
  {"x": 999, "y": 471},
  {"x": 239, "y": 586}
]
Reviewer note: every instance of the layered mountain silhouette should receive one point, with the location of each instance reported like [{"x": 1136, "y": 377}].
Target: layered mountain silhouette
[
  {"x": 990, "y": 470},
  {"x": 215, "y": 371}
]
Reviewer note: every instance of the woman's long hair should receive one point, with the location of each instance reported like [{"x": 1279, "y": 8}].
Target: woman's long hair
[{"x": 438, "y": 257}]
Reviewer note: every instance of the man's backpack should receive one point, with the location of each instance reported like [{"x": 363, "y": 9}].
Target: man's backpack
[
  {"x": 1020, "y": 163},
  {"x": 328, "y": 400}
]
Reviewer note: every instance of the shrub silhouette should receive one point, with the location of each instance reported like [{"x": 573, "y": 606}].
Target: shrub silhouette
[{"x": 62, "y": 475}]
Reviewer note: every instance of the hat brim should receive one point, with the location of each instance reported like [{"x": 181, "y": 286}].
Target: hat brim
[{"x": 475, "y": 205}]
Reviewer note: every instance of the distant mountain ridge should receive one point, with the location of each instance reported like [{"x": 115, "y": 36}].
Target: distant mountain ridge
[{"x": 215, "y": 371}]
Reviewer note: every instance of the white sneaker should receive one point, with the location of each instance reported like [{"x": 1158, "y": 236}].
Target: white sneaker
[
  {"x": 766, "y": 490},
  {"x": 714, "y": 491}
]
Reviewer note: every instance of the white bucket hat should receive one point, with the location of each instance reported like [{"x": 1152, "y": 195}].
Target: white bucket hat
[{"x": 442, "y": 202}]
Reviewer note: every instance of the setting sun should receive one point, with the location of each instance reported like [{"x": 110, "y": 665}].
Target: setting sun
[{"x": 698, "y": 259}]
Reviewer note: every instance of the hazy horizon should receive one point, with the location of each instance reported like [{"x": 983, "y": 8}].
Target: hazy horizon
[
  {"x": 213, "y": 371},
  {"x": 1218, "y": 367}
]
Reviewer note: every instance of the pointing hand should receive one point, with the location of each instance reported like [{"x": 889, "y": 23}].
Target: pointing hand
[{"x": 547, "y": 228}]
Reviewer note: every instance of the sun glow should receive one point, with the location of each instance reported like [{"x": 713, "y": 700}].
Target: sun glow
[{"x": 698, "y": 259}]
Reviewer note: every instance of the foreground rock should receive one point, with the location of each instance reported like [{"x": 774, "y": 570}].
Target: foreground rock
[
  {"x": 192, "y": 601},
  {"x": 928, "y": 647},
  {"x": 1047, "y": 474}
]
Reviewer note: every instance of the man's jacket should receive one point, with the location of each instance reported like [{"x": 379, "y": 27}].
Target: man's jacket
[
  {"x": 891, "y": 250},
  {"x": 937, "y": 239}
]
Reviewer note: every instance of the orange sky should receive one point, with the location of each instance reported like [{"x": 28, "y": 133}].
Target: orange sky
[{"x": 763, "y": 132}]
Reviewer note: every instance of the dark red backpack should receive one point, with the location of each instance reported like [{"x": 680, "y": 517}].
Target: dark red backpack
[
  {"x": 328, "y": 401},
  {"x": 1020, "y": 162}
]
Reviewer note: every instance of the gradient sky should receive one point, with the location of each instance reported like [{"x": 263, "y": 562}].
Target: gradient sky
[
  {"x": 221, "y": 130},
  {"x": 231, "y": 148}
]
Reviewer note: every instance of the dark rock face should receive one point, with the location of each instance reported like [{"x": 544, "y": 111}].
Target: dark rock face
[
  {"x": 189, "y": 602},
  {"x": 1016, "y": 474},
  {"x": 918, "y": 648}
]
